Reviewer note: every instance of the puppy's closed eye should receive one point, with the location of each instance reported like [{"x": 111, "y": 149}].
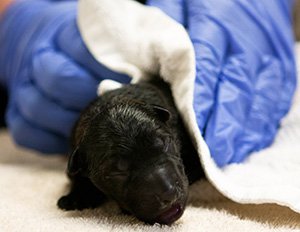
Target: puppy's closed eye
[
  {"x": 119, "y": 170},
  {"x": 119, "y": 177}
]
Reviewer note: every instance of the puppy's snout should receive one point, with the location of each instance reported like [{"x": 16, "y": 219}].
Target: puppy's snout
[
  {"x": 158, "y": 190},
  {"x": 163, "y": 184},
  {"x": 159, "y": 195},
  {"x": 165, "y": 187},
  {"x": 167, "y": 195}
]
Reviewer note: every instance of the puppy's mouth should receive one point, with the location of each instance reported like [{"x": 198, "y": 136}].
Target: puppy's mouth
[
  {"x": 165, "y": 216},
  {"x": 170, "y": 215}
]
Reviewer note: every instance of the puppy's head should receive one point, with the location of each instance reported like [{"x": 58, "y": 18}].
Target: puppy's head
[{"x": 132, "y": 156}]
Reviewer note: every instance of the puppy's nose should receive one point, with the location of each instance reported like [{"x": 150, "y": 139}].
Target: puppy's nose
[
  {"x": 163, "y": 186},
  {"x": 166, "y": 195}
]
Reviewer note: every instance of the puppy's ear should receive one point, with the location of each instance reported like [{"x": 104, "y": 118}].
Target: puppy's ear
[
  {"x": 76, "y": 162},
  {"x": 162, "y": 113}
]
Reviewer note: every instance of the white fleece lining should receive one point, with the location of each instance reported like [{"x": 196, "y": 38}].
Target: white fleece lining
[{"x": 143, "y": 42}]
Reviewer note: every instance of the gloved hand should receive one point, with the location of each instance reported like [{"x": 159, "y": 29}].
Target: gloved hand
[
  {"x": 49, "y": 74},
  {"x": 245, "y": 70}
]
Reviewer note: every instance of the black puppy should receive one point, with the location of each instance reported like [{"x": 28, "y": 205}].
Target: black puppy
[{"x": 130, "y": 145}]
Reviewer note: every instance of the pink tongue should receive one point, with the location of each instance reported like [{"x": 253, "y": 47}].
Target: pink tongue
[{"x": 171, "y": 215}]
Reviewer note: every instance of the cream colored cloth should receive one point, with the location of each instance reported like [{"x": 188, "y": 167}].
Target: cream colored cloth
[{"x": 30, "y": 185}]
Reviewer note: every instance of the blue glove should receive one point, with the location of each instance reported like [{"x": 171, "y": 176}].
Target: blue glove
[
  {"x": 245, "y": 70},
  {"x": 49, "y": 74}
]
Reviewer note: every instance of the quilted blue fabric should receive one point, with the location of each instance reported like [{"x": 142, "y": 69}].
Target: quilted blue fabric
[{"x": 245, "y": 70}]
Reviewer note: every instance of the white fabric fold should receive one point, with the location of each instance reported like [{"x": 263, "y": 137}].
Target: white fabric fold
[{"x": 143, "y": 42}]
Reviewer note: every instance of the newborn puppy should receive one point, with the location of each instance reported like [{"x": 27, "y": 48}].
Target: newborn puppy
[{"x": 130, "y": 145}]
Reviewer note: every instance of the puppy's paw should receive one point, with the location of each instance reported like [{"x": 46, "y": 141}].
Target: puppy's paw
[
  {"x": 75, "y": 202},
  {"x": 67, "y": 203}
]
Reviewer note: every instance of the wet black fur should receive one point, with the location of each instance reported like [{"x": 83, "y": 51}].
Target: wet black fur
[{"x": 119, "y": 140}]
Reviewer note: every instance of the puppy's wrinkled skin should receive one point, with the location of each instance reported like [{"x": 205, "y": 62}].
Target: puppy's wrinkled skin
[{"x": 130, "y": 145}]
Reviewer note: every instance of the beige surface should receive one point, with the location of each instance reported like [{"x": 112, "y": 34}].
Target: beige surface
[{"x": 30, "y": 185}]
